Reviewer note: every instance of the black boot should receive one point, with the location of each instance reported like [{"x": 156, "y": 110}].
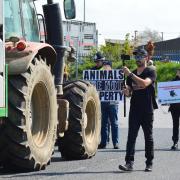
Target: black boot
[
  {"x": 148, "y": 168},
  {"x": 127, "y": 167},
  {"x": 102, "y": 146},
  {"x": 116, "y": 146},
  {"x": 174, "y": 146}
]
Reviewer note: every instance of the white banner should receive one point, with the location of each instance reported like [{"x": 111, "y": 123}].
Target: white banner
[
  {"x": 107, "y": 82},
  {"x": 169, "y": 92}
]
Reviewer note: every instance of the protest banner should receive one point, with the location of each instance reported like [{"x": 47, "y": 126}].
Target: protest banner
[
  {"x": 168, "y": 92},
  {"x": 107, "y": 82}
]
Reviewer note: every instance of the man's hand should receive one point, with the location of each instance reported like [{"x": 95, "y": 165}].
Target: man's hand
[
  {"x": 127, "y": 91},
  {"x": 126, "y": 71},
  {"x": 143, "y": 83}
]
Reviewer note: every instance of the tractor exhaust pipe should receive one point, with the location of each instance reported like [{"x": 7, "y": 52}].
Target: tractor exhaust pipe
[
  {"x": 49, "y": 1},
  {"x": 54, "y": 32}
]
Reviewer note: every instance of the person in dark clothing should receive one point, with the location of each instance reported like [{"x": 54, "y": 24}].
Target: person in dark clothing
[
  {"x": 140, "y": 86},
  {"x": 98, "y": 59},
  {"x": 109, "y": 110},
  {"x": 109, "y": 118},
  {"x": 175, "y": 113}
]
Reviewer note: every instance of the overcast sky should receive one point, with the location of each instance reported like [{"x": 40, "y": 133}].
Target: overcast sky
[{"x": 115, "y": 18}]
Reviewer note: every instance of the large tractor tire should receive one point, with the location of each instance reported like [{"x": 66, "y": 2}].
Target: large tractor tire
[
  {"x": 30, "y": 131},
  {"x": 81, "y": 139}
]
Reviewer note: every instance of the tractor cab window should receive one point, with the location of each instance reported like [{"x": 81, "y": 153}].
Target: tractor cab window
[
  {"x": 30, "y": 21},
  {"x": 13, "y": 26}
]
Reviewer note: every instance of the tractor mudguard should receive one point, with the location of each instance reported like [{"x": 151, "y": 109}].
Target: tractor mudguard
[{"x": 19, "y": 61}]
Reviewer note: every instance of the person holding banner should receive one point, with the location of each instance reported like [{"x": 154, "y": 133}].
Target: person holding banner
[
  {"x": 109, "y": 110},
  {"x": 175, "y": 113},
  {"x": 141, "y": 87},
  {"x": 98, "y": 59}
]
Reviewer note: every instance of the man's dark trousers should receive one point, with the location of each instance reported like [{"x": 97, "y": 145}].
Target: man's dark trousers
[
  {"x": 145, "y": 120},
  {"x": 175, "y": 116}
]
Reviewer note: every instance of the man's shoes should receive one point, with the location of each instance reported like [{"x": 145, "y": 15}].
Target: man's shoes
[
  {"x": 126, "y": 167},
  {"x": 101, "y": 146},
  {"x": 148, "y": 168},
  {"x": 116, "y": 146},
  {"x": 174, "y": 147}
]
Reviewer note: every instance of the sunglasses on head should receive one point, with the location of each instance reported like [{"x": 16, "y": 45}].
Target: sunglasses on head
[{"x": 139, "y": 57}]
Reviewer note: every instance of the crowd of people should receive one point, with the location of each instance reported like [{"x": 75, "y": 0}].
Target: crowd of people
[{"x": 140, "y": 86}]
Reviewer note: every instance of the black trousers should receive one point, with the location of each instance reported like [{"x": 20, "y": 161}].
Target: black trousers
[
  {"x": 145, "y": 120},
  {"x": 175, "y": 117}
]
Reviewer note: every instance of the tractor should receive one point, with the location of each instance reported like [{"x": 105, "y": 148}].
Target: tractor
[{"x": 38, "y": 108}]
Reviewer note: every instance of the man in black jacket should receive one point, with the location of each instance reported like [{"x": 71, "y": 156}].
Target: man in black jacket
[{"x": 175, "y": 113}]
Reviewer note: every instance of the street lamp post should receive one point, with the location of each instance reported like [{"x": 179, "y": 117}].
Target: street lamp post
[
  {"x": 84, "y": 10},
  {"x": 135, "y": 38},
  {"x": 78, "y": 54},
  {"x": 162, "y": 36},
  {"x": 135, "y": 35}
]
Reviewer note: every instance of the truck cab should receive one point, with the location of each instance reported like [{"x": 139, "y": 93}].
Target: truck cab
[{"x": 20, "y": 19}]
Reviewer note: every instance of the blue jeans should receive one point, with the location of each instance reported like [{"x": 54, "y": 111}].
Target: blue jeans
[{"x": 109, "y": 114}]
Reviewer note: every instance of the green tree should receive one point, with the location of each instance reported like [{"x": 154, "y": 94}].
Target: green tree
[
  {"x": 111, "y": 51},
  {"x": 127, "y": 46}
]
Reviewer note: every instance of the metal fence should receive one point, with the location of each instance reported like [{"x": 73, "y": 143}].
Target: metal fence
[{"x": 167, "y": 55}]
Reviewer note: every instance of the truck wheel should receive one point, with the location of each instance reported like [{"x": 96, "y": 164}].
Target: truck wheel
[
  {"x": 81, "y": 139},
  {"x": 30, "y": 130}
]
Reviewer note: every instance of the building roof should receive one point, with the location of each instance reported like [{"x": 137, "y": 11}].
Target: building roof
[{"x": 114, "y": 41}]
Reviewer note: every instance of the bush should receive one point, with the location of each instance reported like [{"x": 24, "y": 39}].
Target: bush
[{"x": 166, "y": 71}]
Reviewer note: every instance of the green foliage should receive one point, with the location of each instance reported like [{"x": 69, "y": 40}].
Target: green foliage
[
  {"x": 166, "y": 71},
  {"x": 86, "y": 63},
  {"x": 127, "y": 47},
  {"x": 112, "y": 52}
]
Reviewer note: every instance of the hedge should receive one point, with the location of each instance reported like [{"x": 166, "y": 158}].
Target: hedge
[{"x": 166, "y": 71}]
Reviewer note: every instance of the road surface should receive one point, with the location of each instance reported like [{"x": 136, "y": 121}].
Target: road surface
[{"x": 104, "y": 166}]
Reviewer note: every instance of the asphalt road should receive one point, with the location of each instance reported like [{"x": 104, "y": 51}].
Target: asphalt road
[{"x": 104, "y": 166}]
